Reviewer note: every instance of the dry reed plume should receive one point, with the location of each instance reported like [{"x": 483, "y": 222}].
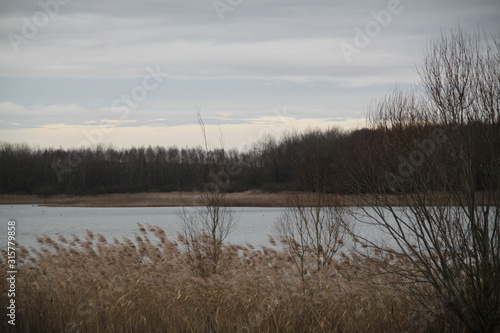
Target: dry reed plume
[{"x": 147, "y": 285}]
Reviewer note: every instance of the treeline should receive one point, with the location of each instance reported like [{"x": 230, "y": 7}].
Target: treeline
[{"x": 316, "y": 160}]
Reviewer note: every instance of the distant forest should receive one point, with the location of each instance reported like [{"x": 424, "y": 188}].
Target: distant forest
[{"x": 316, "y": 160}]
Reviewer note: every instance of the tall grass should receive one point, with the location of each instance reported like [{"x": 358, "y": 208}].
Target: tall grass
[{"x": 147, "y": 285}]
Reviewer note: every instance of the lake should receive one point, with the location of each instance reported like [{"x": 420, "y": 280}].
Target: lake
[{"x": 253, "y": 225}]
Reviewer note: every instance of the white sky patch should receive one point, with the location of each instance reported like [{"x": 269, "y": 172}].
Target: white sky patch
[{"x": 239, "y": 136}]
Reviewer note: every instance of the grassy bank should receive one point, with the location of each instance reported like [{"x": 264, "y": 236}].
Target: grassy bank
[
  {"x": 241, "y": 199},
  {"x": 160, "y": 199},
  {"x": 148, "y": 285}
]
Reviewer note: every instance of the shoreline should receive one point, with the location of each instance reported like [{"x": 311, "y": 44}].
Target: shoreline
[
  {"x": 161, "y": 199},
  {"x": 192, "y": 199}
]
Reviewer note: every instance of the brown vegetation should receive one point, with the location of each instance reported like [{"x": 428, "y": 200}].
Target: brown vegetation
[
  {"x": 147, "y": 285},
  {"x": 186, "y": 199},
  {"x": 439, "y": 148},
  {"x": 156, "y": 199}
]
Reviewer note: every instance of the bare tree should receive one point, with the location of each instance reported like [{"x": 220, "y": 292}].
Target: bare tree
[
  {"x": 205, "y": 229},
  {"x": 311, "y": 230},
  {"x": 434, "y": 182}
]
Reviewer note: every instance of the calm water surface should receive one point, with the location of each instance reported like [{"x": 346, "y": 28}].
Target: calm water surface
[{"x": 253, "y": 225}]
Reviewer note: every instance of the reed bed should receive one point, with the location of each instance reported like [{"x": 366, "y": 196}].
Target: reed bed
[
  {"x": 185, "y": 199},
  {"x": 147, "y": 284}
]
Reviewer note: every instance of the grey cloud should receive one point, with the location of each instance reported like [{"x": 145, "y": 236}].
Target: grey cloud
[{"x": 111, "y": 38}]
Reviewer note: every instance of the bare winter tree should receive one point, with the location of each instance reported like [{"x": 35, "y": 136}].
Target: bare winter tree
[
  {"x": 205, "y": 229},
  {"x": 434, "y": 180},
  {"x": 311, "y": 228}
]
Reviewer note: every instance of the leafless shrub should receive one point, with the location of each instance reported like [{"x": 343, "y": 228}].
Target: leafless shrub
[
  {"x": 439, "y": 154},
  {"x": 205, "y": 230},
  {"x": 311, "y": 230}
]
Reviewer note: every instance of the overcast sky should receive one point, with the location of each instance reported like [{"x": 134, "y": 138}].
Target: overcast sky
[{"x": 130, "y": 72}]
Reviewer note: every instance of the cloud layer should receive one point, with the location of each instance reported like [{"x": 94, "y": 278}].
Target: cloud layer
[{"x": 67, "y": 61}]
